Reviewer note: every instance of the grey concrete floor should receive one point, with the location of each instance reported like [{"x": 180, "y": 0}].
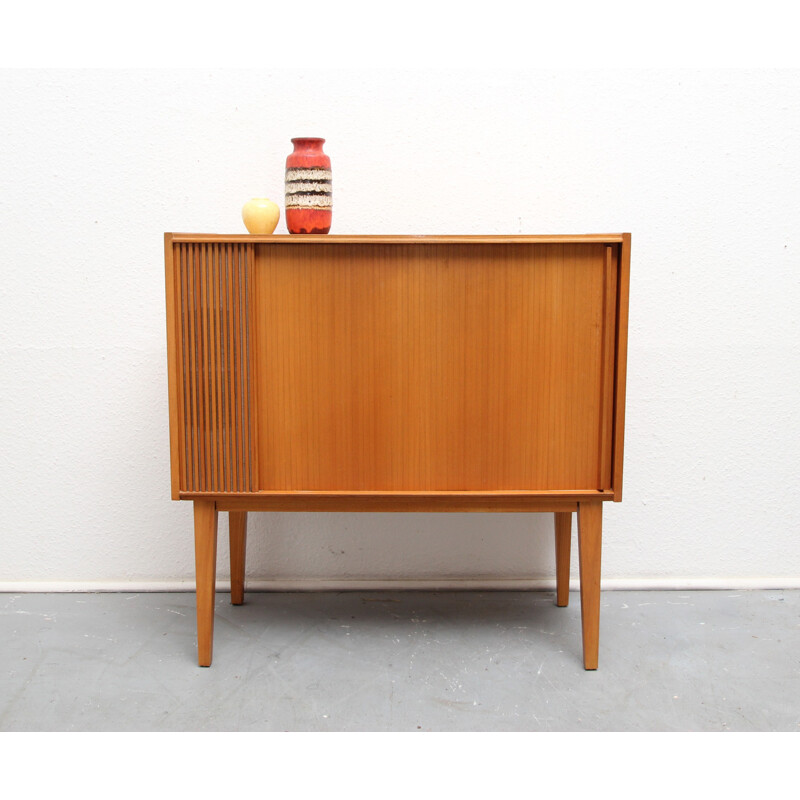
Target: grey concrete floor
[{"x": 401, "y": 661}]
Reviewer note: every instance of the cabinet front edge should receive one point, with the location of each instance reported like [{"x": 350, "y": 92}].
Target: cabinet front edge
[{"x": 585, "y": 238}]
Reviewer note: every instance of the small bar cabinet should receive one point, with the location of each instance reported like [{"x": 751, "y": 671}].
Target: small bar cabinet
[{"x": 397, "y": 373}]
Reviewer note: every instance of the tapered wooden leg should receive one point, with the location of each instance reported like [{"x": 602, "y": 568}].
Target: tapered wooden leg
[
  {"x": 563, "y": 536},
  {"x": 237, "y": 521},
  {"x": 205, "y": 556},
  {"x": 590, "y": 529}
]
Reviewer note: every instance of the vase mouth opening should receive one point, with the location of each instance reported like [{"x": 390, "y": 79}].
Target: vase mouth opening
[{"x": 307, "y": 139}]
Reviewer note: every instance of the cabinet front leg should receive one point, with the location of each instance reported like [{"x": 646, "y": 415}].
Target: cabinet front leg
[
  {"x": 237, "y": 521},
  {"x": 590, "y": 527},
  {"x": 563, "y": 537},
  {"x": 205, "y": 556}
]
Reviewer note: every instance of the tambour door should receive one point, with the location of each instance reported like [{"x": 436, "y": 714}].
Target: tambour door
[
  {"x": 432, "y": 367},
  {"x": 210, "y": 348}
]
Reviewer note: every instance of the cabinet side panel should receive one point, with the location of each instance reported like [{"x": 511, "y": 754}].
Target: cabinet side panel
[
  {"x": 214, "y": 283},
  {"x": 173, "y": 367},
  {"x": 395, "y": 367}
]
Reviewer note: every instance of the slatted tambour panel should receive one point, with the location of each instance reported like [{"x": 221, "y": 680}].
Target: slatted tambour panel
[
  {"x": 213, "y": 291},
  {"x": 434, "y": 367}
]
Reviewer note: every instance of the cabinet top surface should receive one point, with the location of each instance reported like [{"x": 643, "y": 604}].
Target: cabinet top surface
[{"x": 595, "y": 238}]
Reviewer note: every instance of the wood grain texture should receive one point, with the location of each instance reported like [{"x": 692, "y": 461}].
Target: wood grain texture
[
  {"x": 395, "y": 501},
  {"x": 174, "y": 361},
  {"x": 327, "y": 239},
  {"x": 477, "y": 351},
  {"x": 590, "y": 529},
  {"x": 608, "y": 367},
  {"x": 623, "y": 289},
  {"x": 205, "y": 544},
  {"x": 442, "y": 367},
  {"x": 395, "y": 373},
  {"x": 212, "y": 367},
  {"x": 237, "y": 523},
  {"x": 563, "y": 526}
]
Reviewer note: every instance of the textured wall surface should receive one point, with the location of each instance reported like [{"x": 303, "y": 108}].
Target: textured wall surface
[{"x": 702, "y": 167}]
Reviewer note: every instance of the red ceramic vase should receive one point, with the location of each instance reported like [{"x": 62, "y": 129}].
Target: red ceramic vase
[{"x": 308, "y": 188}]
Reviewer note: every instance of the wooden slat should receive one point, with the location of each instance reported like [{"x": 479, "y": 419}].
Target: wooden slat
[
  {"x": 222, "y": 383},
  {"x": 194, "y": 361},
  {"x": 230, "y": 472},
  {"x": 237, "y": 362},
  {"x": 191, "y": 362},
  {"x": 250, "y": 369},
  {"x": 204, "y": 361},
  {"x": 607, "y": 384},
  {"x": 214, "y": 358},
  {"x": 621, "y": 363},
  {"x": 211, "y": 374},
  {"x": 242, "y": 345},
  {"x": 179, "y": 257},
  {"x": 234, "y": 465},
  {"x": 195, "y": 364}
]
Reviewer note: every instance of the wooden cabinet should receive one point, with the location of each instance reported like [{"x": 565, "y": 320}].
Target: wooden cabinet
[{"x": 397, "y": 373}]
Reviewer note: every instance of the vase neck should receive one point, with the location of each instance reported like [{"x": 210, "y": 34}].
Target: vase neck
[{"x": 308, "y": 143}]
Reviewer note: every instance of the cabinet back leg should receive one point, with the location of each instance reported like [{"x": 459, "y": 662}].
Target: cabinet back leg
[
  {"x": 205, "y": 556},
  {"x": 237, "y": 521},
  {"x": 590, "y": 528},
  {"x": 563, "y": 542}
]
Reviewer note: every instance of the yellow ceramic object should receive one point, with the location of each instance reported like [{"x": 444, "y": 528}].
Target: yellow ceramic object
[{"x": 260, "y": 215}]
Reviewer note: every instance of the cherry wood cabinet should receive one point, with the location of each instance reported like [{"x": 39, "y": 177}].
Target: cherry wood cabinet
[{"x": 397, "y": 373}]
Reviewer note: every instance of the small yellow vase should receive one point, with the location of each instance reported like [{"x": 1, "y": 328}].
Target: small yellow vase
[{"x": 260, "y": 215}]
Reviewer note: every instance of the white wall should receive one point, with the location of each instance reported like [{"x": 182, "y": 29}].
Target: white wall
[{"x": 702, "y": 167}]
